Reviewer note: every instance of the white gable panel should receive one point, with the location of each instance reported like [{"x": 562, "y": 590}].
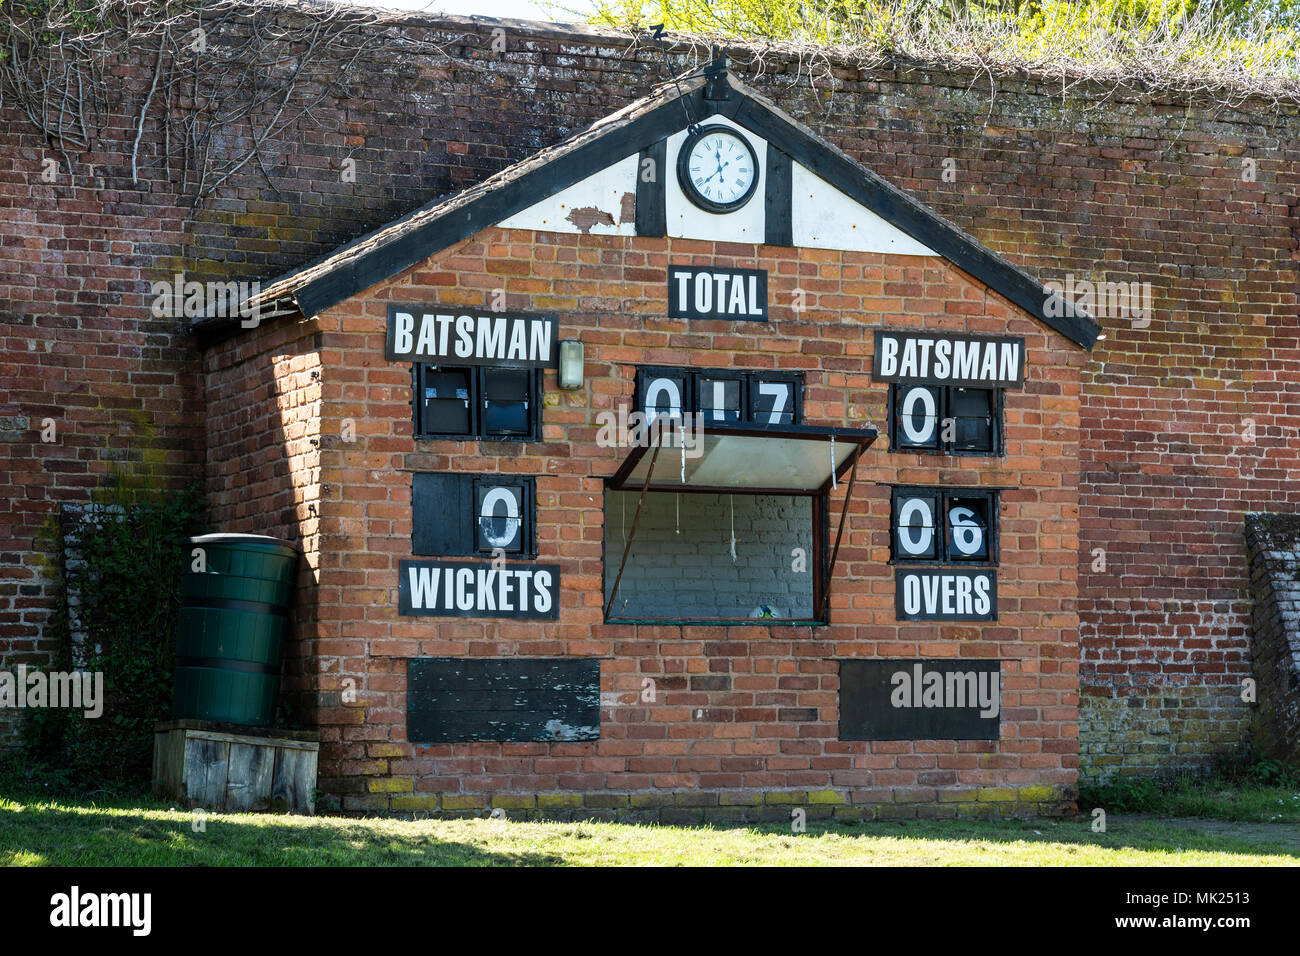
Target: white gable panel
[
  {"x": 599, "y": 205},
  {"x": 685, "y": 220},
  {"x": 822, "y": 217}
]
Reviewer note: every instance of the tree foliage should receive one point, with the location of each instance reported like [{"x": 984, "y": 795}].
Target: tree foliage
[
  {"x": 1247, "y": 46},
  {"x": 838, "y": 21}
]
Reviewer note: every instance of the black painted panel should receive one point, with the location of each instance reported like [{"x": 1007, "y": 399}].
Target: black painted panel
[
  {"x": 872, "y": 690},
  {"x": 439, "y": 505},
  {"x": 463, "y": 699},
  {"x": 651, "y": 214},
  {"x": 779, "y": 226}
]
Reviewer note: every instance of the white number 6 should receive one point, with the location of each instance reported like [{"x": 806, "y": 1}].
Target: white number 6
[{"x": 967, "y": 534}]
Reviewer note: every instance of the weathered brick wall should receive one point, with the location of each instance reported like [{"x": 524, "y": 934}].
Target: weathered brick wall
[
  {"x": 745, "y": 719},
  {"x": 1273, "y": 542},
  {"x": 262, "y": 401},
  {"x": 1095, "y": 183}
]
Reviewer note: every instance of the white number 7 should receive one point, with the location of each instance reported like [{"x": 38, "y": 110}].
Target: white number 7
[{"x": 779, "y": 391}]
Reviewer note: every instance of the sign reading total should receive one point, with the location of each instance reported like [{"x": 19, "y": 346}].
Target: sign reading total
[
  {"x": 938, "y": 359},
  {"x": 717, "y": 293},
  {"x": 478, "y": 589},
  {"x": 447, "y": 335}
]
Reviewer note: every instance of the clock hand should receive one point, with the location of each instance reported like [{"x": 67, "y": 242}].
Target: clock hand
[{"x": 719, "y": 172}]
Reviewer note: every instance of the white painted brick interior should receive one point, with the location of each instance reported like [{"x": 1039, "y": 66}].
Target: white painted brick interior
[{"x": 689, "y": 574}]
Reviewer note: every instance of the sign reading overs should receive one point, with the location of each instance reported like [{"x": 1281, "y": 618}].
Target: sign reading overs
[
  {"x": 920, "y": 699},
  {"x": 715, "y": 293},
  {"x": 478, "y": 589},
  {"x": 447, "y": 335},
  {"x": 942, "y": 359},
  {"x": 934, "y": 594},
  {"x": 936, "y": 526}
]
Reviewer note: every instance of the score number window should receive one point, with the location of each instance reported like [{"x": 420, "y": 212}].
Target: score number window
[
  {"x": 945, "y": 419},
  {"x": 457, "y": 514},
  {"x": 477, "y": 402},
  {"x": 721, "y": 395},
  {"x": 938, "y": 526}
]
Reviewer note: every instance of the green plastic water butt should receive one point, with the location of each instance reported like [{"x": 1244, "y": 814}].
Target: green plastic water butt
[{"x": 233, "y": 620}]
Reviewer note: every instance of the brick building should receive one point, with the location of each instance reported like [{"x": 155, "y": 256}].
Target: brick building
[
  {"x": 1195, "y": 405},
  {"x": 684, "y": 697}
]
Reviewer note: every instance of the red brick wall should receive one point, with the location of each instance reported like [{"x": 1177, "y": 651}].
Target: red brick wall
[
  {"x": 262, "y": 400},
  {"x": 1098, "y": 183},
  {"x": 767, "y": 737}
]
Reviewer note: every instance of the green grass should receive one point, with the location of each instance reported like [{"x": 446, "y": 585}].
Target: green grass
[
  {"x": 40, "y": 830},
  {"x": 1276, "y": 799}
]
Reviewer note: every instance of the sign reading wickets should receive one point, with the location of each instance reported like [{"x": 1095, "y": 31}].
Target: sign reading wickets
[{"x": 478, "y": 589}]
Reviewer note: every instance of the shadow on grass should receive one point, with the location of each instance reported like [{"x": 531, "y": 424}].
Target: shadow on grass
[
  {"x": 129, "y": 831},
  {"x": 1144, "y": 833},
  {"x": 54, "y": 835}
]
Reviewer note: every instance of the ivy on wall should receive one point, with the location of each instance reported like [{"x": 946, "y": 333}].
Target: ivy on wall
[{"x": 117, "y": 615}]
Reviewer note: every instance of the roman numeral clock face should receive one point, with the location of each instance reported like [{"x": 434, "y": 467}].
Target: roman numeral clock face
[{"x": 717, "y": 169}]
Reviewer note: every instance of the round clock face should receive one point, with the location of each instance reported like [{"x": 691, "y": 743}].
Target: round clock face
[{"x": 717, "y": 169}]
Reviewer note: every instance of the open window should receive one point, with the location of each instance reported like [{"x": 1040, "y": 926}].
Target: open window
[{"x": 733, "y": 527}]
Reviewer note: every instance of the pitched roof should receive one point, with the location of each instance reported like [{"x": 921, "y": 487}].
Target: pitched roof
[{"x": 395, "y": 247}]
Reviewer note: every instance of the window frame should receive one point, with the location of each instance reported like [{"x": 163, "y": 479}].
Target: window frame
[
  {"x": 817, "y": 561},
  {"x": 946, "y": 448},
  {"x": 697, "y": 389},
  {"x": 527, "y": 512},
  {"x": 478, "y": 392}
]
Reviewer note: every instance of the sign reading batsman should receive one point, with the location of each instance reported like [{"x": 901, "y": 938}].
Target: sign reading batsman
[{"x": 442, "y": 335}]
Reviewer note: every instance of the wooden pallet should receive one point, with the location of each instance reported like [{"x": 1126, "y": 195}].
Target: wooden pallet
[{"x": 223, "y": 767}]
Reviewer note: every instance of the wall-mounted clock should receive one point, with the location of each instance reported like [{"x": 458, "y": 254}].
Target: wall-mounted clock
[{"x": 717, "y": 168}]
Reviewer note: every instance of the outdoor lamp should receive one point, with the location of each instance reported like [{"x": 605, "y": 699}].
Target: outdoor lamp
[{"x": 571, "y": 364}]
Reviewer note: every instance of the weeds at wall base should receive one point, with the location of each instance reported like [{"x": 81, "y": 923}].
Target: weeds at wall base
[{"x": 117, "y": 614}]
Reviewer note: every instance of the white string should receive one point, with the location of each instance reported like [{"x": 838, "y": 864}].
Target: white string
[
  {"x": 834, "y": 483},
  {"x": 682, "y": 439},
  {"x": 679, "y": 512},
  {"x": 732, "y": 499}
]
